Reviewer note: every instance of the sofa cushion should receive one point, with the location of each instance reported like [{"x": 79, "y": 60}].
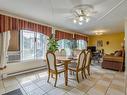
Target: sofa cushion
[
  {"x": 118, "y": 53},
  {"x": 113, "y": 58}
]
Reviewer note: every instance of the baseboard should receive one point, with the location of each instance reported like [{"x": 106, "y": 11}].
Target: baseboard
[{"x": 23, "y": 71}]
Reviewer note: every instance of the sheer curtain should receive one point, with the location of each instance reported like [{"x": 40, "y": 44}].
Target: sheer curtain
[
  {"x": 45, "y": 47},
  {"x": 33, "y": 45},
  {"x": 5, "y": 38}
]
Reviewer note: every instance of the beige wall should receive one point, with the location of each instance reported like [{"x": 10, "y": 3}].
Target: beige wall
[
  {"x": 126, "y": 48},
  {"x": 114, "y": 39}
]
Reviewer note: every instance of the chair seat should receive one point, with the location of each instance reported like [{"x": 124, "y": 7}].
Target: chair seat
[
  {"x": 72, "y": 65},
  {"x": 60, "y": 69},
  {"x": 74, "y": 61},
  {"x": 74, "y": 68},
  {"x": 59, "y": 63}
]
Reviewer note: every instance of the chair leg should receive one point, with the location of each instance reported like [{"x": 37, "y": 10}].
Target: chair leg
[
  {"x": 48, "y": 76},
  {"x": 52, "y": 75},
  {"x": 85, "y": 73},
  {"x": 88, "y": 69},
  {"x": 59, "y": 75},
  {"x": 55, "y": 80},
  {"x": 73, "y": 73},
  {"x": 70, "y": 72},
  {"x": 64, "y": 75},
  {"x": 77, "y": 77},
  {"x": 82, "y": 74}
]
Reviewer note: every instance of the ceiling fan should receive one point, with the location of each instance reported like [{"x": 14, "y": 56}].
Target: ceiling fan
[
  {"x": 82, "y": 13},
  {"x": 79, "y": 13}
]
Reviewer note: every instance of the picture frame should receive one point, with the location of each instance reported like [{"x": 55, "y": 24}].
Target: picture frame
[{"x": 99, "y": 43}]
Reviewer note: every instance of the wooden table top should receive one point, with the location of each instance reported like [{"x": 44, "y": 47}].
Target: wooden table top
[{"x": 64, "y": 58}]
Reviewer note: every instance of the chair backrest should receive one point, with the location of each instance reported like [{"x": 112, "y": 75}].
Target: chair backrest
[
  {"x": 57, "y": 53},
  {"x": 86, "y": 51},
  {"x": 77, "y": 52},
  {"x": 81, "y": 60},
  {"x": 88, "y": 58},
  {"x": 51, "y": 60},
  {"x": 63, "y": 52}
]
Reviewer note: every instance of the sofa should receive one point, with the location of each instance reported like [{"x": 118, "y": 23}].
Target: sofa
[{"x": 114, "y": 61}]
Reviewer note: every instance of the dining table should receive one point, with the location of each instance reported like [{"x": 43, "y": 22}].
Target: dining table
[{"x": 66, "y": 61}]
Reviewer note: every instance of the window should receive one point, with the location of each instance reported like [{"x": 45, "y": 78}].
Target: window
[
  {"x": 81, "y": 44},
  {"x": 27, "y": 45},
  {"x": 67, "y": 45},
  {"x": 41, "y": 41},
  {"x": 32, "y": 45},
  {"x": 64, "y": 43}
]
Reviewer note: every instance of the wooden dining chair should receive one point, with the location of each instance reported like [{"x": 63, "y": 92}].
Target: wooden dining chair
[
  {"x": 63, "y": 52},
  {"x": 87, "y": 63},
  {"x": 77, "y": 52},
  {"x": 53, "y": 67},
  {"x": 79, "y": 65},
  {"x": 57, "y": 53}
]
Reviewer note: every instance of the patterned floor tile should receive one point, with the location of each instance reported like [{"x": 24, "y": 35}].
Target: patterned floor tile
[{"x": 100, "y": 82}]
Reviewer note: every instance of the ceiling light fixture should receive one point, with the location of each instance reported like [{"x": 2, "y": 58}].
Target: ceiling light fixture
[
  {"x": 99, "y": 33},
  {"x": 82, "y": 13},
  {"x": 80, "y": 23},
  {"x": 81, "y": 18},
  {"x": 74, "y": 21}
]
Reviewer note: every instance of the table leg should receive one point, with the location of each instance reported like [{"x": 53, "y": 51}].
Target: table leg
[{"x": 66, "y": 73}]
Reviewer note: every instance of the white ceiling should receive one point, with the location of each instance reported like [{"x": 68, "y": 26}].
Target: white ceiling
[{"x": 110, "y": 13}]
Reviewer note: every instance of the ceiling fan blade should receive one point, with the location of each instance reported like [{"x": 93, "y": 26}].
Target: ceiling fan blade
[
  {"x": 93, "y": 13},
  {"x": 69, "y": 18}
]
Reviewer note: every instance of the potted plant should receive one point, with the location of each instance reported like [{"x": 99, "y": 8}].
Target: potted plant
[{"x": 52, "y": 44}]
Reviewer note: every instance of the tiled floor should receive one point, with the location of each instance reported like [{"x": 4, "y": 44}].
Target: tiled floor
[{"x": 101, "y": 82}]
